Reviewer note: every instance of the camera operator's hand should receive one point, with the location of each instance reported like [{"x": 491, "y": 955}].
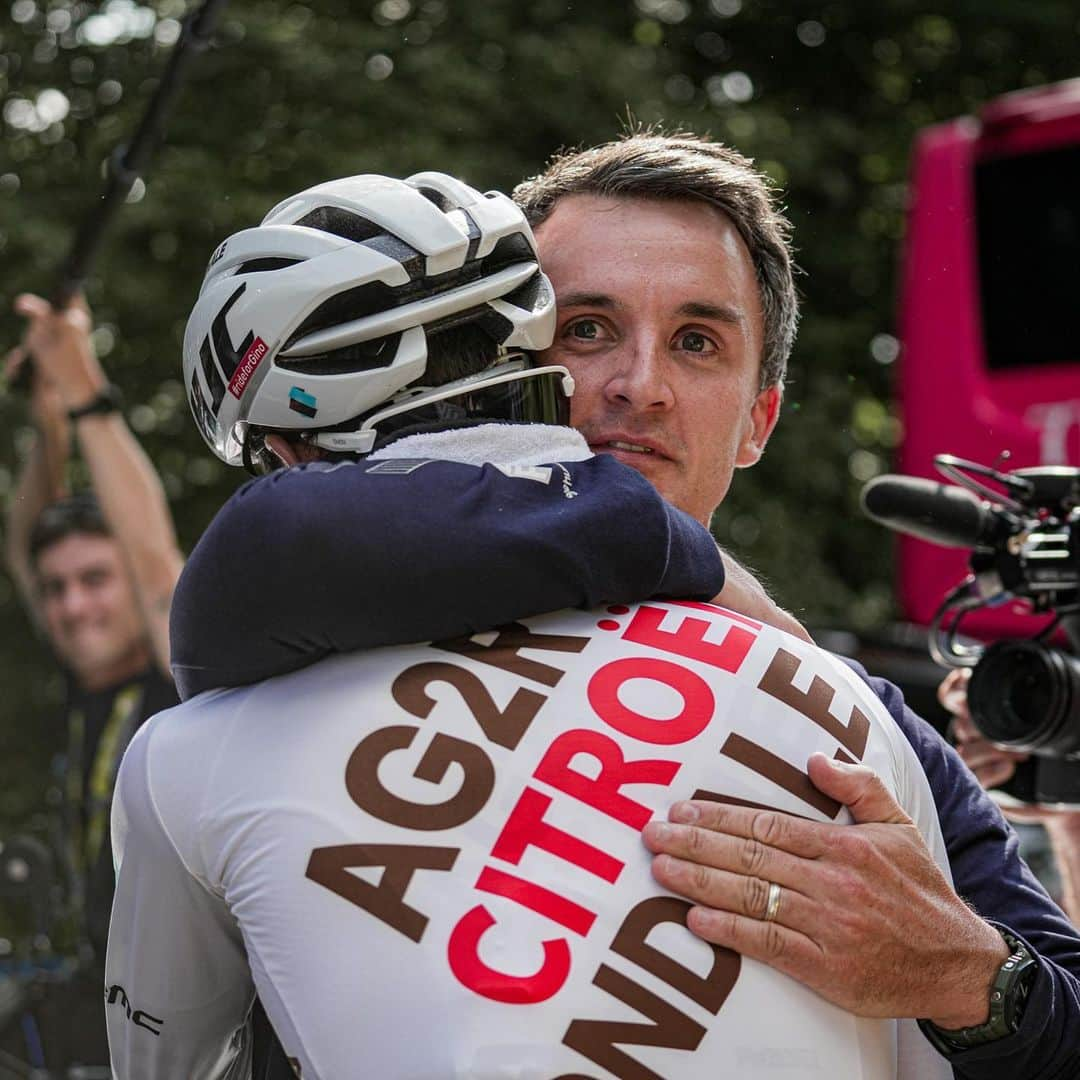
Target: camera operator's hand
[
  {"x": 991, "y": 765},
  {"x": 866, "y": 918}
]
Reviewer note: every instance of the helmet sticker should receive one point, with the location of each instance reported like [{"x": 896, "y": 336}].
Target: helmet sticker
[
  {"x": 246, "y": 368},
  {"x": 302, "y": 402}
]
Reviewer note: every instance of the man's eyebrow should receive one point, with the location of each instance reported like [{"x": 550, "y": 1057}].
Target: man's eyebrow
[
  {"x": 694, "y": 309},
  {"x": 584, "y": 299},
  {"x": 697, "y": 309}
]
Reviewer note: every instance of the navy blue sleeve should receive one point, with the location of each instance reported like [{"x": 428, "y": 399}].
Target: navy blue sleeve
[
  {"x": 330, "y": 558},
  {"x": 990, "y": 875}
]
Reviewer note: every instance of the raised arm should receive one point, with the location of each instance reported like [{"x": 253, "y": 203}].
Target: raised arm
[
  {"x": 41, "y": 479},
  {"x": 127, "y": 487}
]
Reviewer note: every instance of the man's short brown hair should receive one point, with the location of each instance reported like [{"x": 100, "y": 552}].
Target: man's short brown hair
[
  {"x": 682, "y": 166},
  {"x": 74, "y": 515}
]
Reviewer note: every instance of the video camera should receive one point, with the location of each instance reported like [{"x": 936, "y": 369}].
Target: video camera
[{"x": 1024, "y": 536}]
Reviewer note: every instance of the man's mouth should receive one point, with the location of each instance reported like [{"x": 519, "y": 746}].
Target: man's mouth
[
  {"x": 624, "y": 443},
  {"x": 634, "y": 448}
]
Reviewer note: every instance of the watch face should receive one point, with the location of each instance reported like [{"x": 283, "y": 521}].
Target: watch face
[{"x": 1016, "y": 996}]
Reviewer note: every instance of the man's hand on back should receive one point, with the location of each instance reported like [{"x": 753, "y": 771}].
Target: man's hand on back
[{"x": 866, "y": 918}]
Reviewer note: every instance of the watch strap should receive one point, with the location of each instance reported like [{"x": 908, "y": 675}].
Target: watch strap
[
  {"x": 1008, "y": 995},
  {"x": 107, "y": 400}
]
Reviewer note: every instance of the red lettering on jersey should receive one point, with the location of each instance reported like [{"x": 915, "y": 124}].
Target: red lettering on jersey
[
  {"x": 698, "y": 701},
  {"x": 602, "y": 793},
  {"x": 536, "y": 898},
  {"x": 688, "y": 638},
  {"x": 475, "y": 975},
  {"x": 525, "y": 827},
  {"x": 717, "y": 609}
]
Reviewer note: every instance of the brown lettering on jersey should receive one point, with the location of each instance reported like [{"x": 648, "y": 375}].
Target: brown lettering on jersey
[
  {"x": 596, "y": 1039},
  {"x": 779, "y": 771},
  {"x": 732, "y": 800},
  {"x": 814, "y": 703},
  {"x": 367, "y": 791},
  {"x": 504, "y": 728},
  {"x": 505, "y": 651},
  {"x": 329, "y": 867},
  {"x": 631, "y": 941}
]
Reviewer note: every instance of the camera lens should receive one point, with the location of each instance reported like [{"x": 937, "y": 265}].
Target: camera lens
[{"x": 1024, "y": 696}]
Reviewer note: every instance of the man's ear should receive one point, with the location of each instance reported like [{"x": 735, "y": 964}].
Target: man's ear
[
  {"x": 764, "y": 413},
  {"x": 291, "y": 453}
]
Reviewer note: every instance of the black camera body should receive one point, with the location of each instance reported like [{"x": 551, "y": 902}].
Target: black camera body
[{"x": 1024, "y": 536}]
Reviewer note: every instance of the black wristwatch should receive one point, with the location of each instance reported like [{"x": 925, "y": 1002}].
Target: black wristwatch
[
  {"x": 1008, "y": 996},
  {"x": 107, "y": 400}
]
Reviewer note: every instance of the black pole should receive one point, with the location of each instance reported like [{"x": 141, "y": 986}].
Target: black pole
[{"x": 127, "y": 162}]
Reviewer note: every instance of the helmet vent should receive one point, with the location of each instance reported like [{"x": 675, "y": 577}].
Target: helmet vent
[
  {"x": 511, "y": 249},
  {"x": 438, "y": 198},
  {"x": 365, "y": 356},
  {"x": 393, "y": 248},
  {"x": 526, "y": 296},
  {"x": 343, "y": 223},
  {"x": 351, "y": 304},
  {"x": 255, "y": 266}
]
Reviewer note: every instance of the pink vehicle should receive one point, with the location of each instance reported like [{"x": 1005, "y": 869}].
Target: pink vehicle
[{"x": 991, "y": 341}]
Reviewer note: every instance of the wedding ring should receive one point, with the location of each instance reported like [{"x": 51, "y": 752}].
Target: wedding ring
[{"x": 772, "y": 905}]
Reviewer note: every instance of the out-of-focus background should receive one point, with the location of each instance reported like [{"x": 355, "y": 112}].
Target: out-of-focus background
[{"x": 826, "y": 96}]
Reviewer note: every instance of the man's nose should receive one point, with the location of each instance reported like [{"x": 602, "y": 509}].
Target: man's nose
[
  {"x": 73, "y": 601},
  {"x": 641, "y": 378}
]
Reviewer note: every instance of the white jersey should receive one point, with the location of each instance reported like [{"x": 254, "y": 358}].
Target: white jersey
[{"x": 427, "y": 860}]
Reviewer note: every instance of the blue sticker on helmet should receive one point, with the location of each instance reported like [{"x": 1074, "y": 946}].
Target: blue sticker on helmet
[{"x": 302, "y": 402}]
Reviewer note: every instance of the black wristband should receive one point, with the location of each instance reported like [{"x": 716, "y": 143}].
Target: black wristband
[
  {"x": 107, "y": 400},
  {"x": 1008, "y": 996}
]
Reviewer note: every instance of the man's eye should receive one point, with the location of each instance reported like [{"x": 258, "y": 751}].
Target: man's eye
[
  {"x": 585, "y": 330},
  {"x": 695, "y": 342}
]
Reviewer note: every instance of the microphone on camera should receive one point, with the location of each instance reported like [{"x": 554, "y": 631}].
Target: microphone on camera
[{"x": 940, "y": 513}]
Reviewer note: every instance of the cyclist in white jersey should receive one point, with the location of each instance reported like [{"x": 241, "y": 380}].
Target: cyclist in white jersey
[{"x": 426, "y": 860}]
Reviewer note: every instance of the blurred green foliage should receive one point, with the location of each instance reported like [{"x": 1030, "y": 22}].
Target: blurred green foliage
[{"x": 826, "y": 96}]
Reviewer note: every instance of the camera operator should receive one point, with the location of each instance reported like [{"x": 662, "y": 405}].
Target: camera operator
[
  {"x": 96, "y": 571},
  {"x": 994, "y": 767}
]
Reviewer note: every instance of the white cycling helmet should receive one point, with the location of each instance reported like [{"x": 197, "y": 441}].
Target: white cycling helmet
[{"x": 322, "y": 312}]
